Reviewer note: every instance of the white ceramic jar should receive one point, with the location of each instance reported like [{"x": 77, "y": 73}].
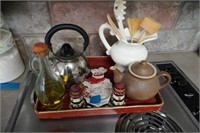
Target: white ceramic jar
[{"x": 11, "y": 65}]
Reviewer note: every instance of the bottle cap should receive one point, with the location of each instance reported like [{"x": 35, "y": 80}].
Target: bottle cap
[{"x": 39, "y": 47}]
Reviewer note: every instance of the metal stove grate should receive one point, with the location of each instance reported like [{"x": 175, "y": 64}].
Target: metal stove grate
[{"x": 146, "y": 122}]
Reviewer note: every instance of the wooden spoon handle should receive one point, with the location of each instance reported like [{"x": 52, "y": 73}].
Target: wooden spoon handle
[
  {"x": 142, "y": 37},
  {"x": 114, "y": 27}
]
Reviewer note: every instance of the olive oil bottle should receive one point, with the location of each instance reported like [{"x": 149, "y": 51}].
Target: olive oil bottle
[{"x": 49, "y": 86}]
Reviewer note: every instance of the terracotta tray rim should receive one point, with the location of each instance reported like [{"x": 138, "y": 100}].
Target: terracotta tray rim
[{"x": 103, "y": 108}]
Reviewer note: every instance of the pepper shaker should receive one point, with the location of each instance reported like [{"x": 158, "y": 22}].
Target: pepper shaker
[{"x": 76, "y": 97}]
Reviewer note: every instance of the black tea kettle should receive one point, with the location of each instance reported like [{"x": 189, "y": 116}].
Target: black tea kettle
[{"x": 68, "y": 63}]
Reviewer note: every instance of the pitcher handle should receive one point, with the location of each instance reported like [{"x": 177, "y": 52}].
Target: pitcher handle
[
  {"x": 167, "y": 80},
  {"x": 102, "y": 37},
  {"x": 31, "y": 65}
]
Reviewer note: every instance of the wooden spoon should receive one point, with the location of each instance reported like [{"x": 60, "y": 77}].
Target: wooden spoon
[
  {"x": 150, "y": 26},
  {"x": 133, "y": 25},
  {"x": 114, "y": 27}
]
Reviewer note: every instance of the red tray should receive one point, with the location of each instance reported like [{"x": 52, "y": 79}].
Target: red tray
[{"x": 132, "y": 106}]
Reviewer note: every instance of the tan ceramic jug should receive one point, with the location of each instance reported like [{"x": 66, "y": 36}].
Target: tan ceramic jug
[{"x": 142, "y": 80}]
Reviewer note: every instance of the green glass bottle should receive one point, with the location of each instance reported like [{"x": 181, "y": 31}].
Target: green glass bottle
[{"x": 49, "y": 86}]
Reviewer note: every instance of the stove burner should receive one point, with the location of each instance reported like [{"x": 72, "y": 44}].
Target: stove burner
[{"x": 146, "y": 122}]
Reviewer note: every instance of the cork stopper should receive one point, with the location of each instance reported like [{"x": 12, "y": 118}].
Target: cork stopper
[{"x": 40, "y": 49}]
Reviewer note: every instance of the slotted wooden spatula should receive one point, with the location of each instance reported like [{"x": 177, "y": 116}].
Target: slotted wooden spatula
[
  {"x": 150, "y": 26},
  {"x": 133, "y": 25}
]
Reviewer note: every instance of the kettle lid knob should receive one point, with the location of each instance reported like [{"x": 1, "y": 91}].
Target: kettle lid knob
[{"x": 66, "y": 50}]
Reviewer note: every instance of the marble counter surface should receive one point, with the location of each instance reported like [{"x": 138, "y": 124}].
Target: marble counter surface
[{"x": 188, "y": 62}]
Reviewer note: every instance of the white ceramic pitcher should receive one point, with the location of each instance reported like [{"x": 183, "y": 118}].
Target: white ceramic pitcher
[{"x": 122, "y": 52}]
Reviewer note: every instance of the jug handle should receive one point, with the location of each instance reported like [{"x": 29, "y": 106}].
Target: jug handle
[
  {"x": 102, "y": 37},
  {"x": 166, "y": 81},
  {"x": 31, "y": 65},
  {"x": 59, "y": 27}
]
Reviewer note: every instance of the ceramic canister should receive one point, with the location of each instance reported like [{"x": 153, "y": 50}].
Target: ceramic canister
[{"x": 11, "y": 65}]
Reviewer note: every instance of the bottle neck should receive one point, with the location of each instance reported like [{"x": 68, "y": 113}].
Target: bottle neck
[{"x": 44, "y": 65}]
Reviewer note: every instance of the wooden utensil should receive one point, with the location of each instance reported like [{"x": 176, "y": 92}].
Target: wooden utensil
[
  {"x": 150, "y": 26},
  {"x": 133, "y": 25},
  {"x": 114, "y": 27}
]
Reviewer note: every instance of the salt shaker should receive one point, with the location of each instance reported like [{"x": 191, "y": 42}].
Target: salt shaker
[{"x": 118, "y": 95}]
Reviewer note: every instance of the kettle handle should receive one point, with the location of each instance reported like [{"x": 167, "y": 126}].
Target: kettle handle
[
  {"x": 102, "y": 36},
  {"x": 59, "y": 27},
  {"x": 166, "y": 81}
]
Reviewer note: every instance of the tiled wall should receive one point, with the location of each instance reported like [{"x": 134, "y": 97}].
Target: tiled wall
[{"x": 30, "y": 21}]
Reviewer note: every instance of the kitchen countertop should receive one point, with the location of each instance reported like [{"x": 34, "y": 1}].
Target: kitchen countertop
[{"x": 188, "y": 62}]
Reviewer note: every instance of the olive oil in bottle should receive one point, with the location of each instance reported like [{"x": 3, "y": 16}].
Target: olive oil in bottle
[{"x": 49, "y": 86}]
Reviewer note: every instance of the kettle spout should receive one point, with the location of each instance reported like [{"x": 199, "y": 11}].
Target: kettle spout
[{"x": 118, "y": 75}]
